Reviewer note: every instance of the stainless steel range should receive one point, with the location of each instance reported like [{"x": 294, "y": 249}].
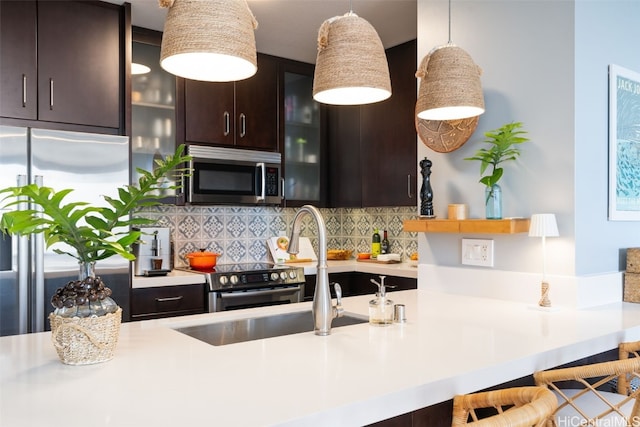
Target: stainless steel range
[{"x": 236, "y": 286}]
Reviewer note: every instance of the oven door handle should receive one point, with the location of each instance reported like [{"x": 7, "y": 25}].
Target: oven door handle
[
  {"x": 263, "y": 177},
  {"x": 240, "y": 294}
]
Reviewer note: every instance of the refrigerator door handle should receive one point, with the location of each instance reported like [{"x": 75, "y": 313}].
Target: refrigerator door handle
[
  {"x": 23, "y": 270},
  {"x": 38, "y": 242}
]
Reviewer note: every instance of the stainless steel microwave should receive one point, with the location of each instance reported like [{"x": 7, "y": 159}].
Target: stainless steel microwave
[{"x": 233, "y": 176}]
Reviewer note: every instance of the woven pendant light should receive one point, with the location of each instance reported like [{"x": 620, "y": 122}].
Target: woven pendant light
[
  {"x": 209, "y": 40},
  {"x": 351, "y": 66},
  {"x": 450, "y": 87}
]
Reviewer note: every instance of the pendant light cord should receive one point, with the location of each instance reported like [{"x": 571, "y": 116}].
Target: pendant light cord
[
  {"x": 350, "y": 6},
  {"x": 449, "y": 22}
]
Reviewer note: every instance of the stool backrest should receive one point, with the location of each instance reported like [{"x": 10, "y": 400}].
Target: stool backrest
[
  {"x": 589, "y": 378},
  {"x": 515, "y": 407}
]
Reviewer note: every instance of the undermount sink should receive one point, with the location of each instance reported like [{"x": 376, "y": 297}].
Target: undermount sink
[{"x": 235, "y": 331}]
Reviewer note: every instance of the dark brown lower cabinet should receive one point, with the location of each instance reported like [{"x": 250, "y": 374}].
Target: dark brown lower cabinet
[
  {"x": 438, "y": 415},
  {"x": 167, "y": 301},
  {"x": 358, "y": 283},
  {"x": 362, "y": 284}
]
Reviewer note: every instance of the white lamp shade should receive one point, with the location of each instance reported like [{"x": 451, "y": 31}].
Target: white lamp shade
[
  {"x": 137, "y": 69},
  {"x": 210, "y": 40},
  {"x": 450, "y": 88},
  {"x": 351, "y": 66},
  {"x": 543, "y": 225}
]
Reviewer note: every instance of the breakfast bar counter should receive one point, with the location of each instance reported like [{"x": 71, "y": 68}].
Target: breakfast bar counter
[{"x": 357, "y": 375}]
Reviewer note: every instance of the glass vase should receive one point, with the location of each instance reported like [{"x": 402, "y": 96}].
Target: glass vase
[
  {"x": 87, "y": 296},
  {"x": 493, "y": 202}
]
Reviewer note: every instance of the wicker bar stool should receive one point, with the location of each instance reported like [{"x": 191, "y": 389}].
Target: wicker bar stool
[
  {"x": 512, "y": 407},
  {"x": 625, "y": 351},
  {"x": 590, "y": 404}
]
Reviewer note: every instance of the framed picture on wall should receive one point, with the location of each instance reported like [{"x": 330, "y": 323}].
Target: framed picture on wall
[{"x": 624, "y": 144}]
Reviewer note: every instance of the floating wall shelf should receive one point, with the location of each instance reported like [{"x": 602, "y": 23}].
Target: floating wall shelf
[{"x": 480, "y": 226}]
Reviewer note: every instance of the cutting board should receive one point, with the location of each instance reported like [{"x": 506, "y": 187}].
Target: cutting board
[
  {"x": 375, "y": 261},
  {"x": 278, "y": 249},
  {"x": 293, "y": 261}
]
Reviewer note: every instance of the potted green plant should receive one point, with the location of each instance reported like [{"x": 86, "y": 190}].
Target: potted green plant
[
  {"x": 504, "y": 146},
  {"x": 85, "y": 322}
]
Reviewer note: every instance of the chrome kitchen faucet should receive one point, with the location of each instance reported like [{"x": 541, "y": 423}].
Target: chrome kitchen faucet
[{"x": 322, "y": 310}]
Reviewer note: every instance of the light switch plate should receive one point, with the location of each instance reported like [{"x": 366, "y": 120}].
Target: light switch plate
[{"x": 477, "y": 252}]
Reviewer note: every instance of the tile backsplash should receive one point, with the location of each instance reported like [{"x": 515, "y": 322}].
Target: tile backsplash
[{"x": 240, "y": 233}]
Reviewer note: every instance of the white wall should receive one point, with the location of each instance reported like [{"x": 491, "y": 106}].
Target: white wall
[
  {"x": 607, "y": 32},
  {"x": 545, "y": 64},
  {"x": 527, "y": 77}
]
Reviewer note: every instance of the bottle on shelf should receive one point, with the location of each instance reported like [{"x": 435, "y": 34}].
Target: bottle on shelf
[
  {"x": 384, "y": 245},
  {"x": 375, "y": 244}
]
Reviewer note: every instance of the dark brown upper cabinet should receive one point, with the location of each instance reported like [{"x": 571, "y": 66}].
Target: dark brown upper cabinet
[
  {"x": 242, "y": 114},
  {"x": 62, "y": 62},
  {"x": 373, "y": 148},
  {"x": 301, "y": 136}
]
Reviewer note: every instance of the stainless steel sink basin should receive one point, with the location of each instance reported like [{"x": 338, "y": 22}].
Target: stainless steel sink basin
[{"x": 256, "y": 328}]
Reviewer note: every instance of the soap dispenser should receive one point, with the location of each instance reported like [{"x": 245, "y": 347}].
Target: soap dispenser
[{"x": 381, "y": 307}]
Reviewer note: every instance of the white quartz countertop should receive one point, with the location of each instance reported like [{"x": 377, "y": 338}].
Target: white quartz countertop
[
  {"x": 173, "y": 278},
  {"x": 179, "y": 277},
  {"x": 402, "y": 269},
  {"x": 357, "y": 375}
]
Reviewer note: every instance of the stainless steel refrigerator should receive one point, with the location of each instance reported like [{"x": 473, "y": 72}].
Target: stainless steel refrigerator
[{"x": 93, "y": 165}]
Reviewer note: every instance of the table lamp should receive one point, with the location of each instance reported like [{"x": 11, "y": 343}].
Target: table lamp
[{"x": 544, "y": 225}]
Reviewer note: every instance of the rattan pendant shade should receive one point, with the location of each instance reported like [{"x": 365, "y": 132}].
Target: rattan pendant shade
[
  {"x": 210, "y": 40},
  {"x": 450, "y": 88},
  {"x": 351, "y": 66}
]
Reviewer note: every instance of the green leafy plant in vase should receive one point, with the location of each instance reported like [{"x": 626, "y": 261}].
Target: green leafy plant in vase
[
  {"x": 504, "y": 146},
  {"x": 89, "y": 234}
]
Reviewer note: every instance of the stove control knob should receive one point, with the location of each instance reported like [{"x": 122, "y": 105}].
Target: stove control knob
[
  {"x": 224, "y": 280},
  {"x": 283, "y": 275},
  {"x": 293, "y": 275},
  {"x": 274, "y": 276},
  {"x": 234, "y": 279}
]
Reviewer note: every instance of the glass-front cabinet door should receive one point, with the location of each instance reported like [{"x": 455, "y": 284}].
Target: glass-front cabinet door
[
  {"x": 303, "y": 153},
  {"x": 153, "y": 117}
]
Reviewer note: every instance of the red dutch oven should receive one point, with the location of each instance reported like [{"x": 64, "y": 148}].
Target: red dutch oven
[{"x": 202, "y": 260}]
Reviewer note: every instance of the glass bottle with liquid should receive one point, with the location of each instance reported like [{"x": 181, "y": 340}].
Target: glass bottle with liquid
[
  {"x": 375, "y": 244},
  {"x": 384, "y": 245}
]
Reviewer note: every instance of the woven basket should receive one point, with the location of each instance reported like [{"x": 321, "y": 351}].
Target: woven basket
[{"x": 87, "y": 340}]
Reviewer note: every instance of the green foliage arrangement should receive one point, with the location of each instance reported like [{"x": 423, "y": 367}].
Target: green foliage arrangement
[
  {"x": 504, "y": 147},
  {"x": 95, "y": 233}
]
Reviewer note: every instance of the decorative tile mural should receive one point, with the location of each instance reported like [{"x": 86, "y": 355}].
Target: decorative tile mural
[{"x": 240, "y": 233}]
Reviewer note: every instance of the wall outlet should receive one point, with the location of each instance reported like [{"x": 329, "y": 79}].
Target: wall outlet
[{"x": 477, "y": 252}]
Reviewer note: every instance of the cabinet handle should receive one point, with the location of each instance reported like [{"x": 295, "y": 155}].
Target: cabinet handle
[
  {"x": 263, "y": 178},
  {"x": 227, "y": 124},
  {"x": 409, "y": 186},
  {"x": 243, "y": 125},
  {"x": 169, "y": 299},
  {"x": 50, "y": 94},
  {"x": 24, "y": 90}
]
